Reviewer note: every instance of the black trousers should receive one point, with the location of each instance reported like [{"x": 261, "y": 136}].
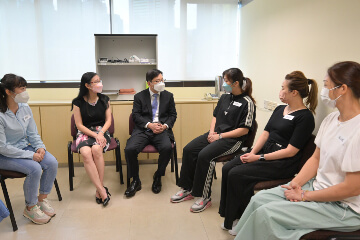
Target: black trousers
[
  {"x": 198, "y": 163},
  {"x": 136, "y": 143},
  {"x": 239, "y": 179}
]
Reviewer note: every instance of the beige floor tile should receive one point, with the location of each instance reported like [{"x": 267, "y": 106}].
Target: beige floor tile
[
  {"x": 91, "y": 234},
  {"x": 212, "y": 222},
  {"x": 145, "y": 216},
  {"x": 166, "y": 222}
]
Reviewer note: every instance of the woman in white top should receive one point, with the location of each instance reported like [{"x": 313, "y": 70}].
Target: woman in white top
[{"x": 326, "y": 192}]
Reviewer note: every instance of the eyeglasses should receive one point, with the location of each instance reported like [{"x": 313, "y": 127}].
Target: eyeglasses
[
  {"x": 96, "y": 82},
  {"x": 158, "y": 81}
]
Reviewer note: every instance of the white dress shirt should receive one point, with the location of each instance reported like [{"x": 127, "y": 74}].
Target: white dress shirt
[{"x": 156, "y": 118}]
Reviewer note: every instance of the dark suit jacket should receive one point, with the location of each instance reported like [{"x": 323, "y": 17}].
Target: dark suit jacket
[{"x": 142, "y": 112}]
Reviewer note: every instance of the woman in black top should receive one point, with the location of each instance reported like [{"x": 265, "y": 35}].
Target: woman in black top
[
  {"x": 93, "y": 118},
  {"x": 233, "y": 118},
  {"x": 276, "y": 153}
]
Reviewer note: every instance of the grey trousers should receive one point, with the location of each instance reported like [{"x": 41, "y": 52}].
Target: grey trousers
[{"x": 270, "y": 216}]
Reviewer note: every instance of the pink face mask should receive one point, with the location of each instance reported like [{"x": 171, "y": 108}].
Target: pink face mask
[{"x": 97, "y": 88}]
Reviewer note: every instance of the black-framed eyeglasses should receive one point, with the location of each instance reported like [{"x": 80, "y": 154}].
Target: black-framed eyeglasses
[
  {"x": 96, "y": 82},
  {"x": 158, "y": 81}
]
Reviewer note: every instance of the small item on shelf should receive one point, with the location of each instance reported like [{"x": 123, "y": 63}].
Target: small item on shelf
[
  {"x": 210, "y": 96},
  {"x": 134, "y": 59},
  {"x": 121, "y": 61},
  {"x": 129, "y": 91},
  {"x": 103, "y": 60},
  {"x": 144, "y": 60},
  {"x": 111, "y": 60}
]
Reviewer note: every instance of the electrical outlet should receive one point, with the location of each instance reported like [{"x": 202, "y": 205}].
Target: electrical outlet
[
  {"x": 266, "y": 104},
  {"x": 269, "y": 105},
  {"x": 272, "y": 106}
]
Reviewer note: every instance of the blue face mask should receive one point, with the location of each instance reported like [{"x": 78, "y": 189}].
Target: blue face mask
[{"x": 227, "y": 87}]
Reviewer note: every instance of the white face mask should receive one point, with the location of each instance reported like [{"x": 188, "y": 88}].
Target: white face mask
[
  {"x": 159, "y": 87},
  {"x": 326, "y": 99},
  {"x": 22, "y": 97}
]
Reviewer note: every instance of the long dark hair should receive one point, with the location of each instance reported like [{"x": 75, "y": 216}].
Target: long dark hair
[
  {"x": 84, "y": 91},
  {"x": 300, "y": 83},
  {"x": 236, "y": 75},
  {"x": 9, "y": 81},
  {"x": 346, "y": 73}
]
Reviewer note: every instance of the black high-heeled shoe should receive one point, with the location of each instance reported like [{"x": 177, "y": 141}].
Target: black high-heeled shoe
[
  {"x": 98, "y": 200},
  {"x": 107, "y": 191},
  {"x": 106, "y": 200}
]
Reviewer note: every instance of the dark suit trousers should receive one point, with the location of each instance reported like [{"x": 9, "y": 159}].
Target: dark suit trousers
[{"x": 136, "y": 143}]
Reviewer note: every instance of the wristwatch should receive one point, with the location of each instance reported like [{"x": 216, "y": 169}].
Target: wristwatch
[
  {"x": 261, "y": 158},
  {"x": 220, "y": 137}
]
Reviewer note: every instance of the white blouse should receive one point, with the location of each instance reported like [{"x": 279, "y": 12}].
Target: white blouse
[{"x": 339, "y": 144}]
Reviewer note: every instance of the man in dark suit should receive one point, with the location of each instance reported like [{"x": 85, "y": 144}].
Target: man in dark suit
[{"x": 154, "y": 115}]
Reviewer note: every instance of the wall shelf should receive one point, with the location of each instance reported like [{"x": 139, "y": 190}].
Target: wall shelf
[
  {"x": 126, "y": 64},
  {"x": 116, "y": 76}
]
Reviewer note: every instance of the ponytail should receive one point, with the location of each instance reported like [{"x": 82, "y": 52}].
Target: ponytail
[
  {"x": 312, "y": 100},
  {"x": 236, "y": 75},
  {"x": 297, "y": 81},
  {"x": 3, "y": 103},
  {"x": 248, "y": 88}
]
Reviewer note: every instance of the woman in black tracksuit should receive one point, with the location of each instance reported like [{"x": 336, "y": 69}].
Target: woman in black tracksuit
[{"x": 233, "y": 118}]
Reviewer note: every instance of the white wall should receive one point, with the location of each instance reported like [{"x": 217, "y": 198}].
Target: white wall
[{"x": 280, "y": 36}]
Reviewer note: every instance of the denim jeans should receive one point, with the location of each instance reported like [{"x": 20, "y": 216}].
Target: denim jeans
[
  {"x": 4, "y": 212},
  {"x": 43, "y": 172}
]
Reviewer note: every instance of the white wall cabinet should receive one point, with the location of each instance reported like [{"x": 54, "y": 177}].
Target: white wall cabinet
[{"x": 120, "y": 75}]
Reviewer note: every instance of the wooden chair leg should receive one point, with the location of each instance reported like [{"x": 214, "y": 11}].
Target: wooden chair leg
[
  {"x": 117, "y": 156},
  {"x": 71, "y": 167},
  {"x": 118, "y": 161},
  {"x": 172, "y": 160},
  {"x": 176, "y": 164},
  {"x": 8, "y": 204},
  {"x": 58, "y": 190}
]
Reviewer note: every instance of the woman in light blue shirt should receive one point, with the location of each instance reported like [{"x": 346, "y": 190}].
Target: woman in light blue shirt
[{"x": 22, "y": 150}]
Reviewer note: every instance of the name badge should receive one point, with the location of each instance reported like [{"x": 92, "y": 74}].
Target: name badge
[
  {"x": 341, "y": 139},
  {"x": 27, "y": 117},
  {"x": 289, "y": 117},
  {"x": 237, "y": 104}
]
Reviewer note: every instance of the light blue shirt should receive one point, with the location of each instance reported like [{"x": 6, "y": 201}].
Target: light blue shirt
[{"x": 17, "y": 132}]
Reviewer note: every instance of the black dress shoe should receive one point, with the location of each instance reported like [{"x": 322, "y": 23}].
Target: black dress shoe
[
  {"x": 135, "y": 186},
  {"x": 156, "y": 186}
]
